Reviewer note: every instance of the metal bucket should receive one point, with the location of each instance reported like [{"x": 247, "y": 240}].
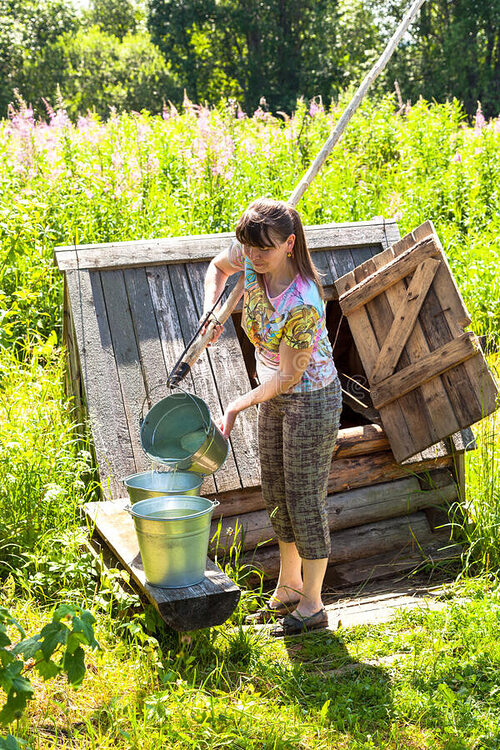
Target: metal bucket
[
  {"x": 178, "y": 432},
  {"x": 173, "y": 533},
  {"x": 159, "y": 483}
]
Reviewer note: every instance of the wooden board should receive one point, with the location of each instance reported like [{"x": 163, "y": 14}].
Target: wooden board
[
  {"x": 204, "y": 247},
  {"x": 110, "y": 429},
  {"x": 345, "y": 510},
  {"x": 429, "y": 379},
  {"x": 190, "y": 608}
]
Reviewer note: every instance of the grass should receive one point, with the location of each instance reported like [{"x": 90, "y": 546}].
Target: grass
[{"x": 427, "y": 679}]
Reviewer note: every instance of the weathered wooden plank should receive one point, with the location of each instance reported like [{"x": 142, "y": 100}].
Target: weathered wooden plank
[
  {"x": 361, "y": 254},
  {"x": 194, "y": 248},
  {"x": 147, "y": 336},
  {"x": 231, "y": 379},
  {"x": 345, "y": 510},
  {"x": 170, "y": 333},
  {"x": 110, "y": 428},
  {"x": 386, "y": 275},
  {"x": 189, "y": 608},
  {"x": 127, "y": 358},
  {"x": 429, "y": 366},
  {"x": 227, "y": 477},
  {"x": 401, "y": 418},
  {"x": 345, "y": 474},
  {"x": 405, "y": 316},
  {"x": 434, "y": 551},
  {"x": 407, "y": 532}
]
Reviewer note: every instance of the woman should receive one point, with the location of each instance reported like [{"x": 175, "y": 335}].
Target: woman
[{"x": 299, "y": 397}]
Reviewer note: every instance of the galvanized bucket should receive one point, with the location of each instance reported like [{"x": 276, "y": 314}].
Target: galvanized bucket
[
  {"x": 178, "y": 432},
  {"x": 159, "y": 483},
  {"x": 173, "y": 534}
]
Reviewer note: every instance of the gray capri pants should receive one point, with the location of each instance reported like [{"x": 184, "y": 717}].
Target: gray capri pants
[{"x": 297, "y": 435}]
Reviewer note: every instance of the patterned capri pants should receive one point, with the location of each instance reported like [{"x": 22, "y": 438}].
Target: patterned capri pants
[{"x": 297, "y": 435}]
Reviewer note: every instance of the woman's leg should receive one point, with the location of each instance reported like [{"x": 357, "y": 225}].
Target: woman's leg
[
  {"x": 270, "y": 433},
  {"x": 289, "y": 584},
  {"x": 310, "y": 432}
]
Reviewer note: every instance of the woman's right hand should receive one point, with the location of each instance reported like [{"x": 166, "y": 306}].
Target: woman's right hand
[{"x": 217, "y": 331}]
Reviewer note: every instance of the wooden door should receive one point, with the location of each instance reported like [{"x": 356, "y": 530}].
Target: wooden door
[{"x": 428, "y": 376}]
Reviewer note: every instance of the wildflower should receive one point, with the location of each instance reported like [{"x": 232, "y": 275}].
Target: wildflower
[
  {"x": 240, "y": 115},
  {"x": 497, "y": 125},
  {"x": 480, "y": 121},
  {"x": 478, "y": 150},
  {"x": 457, "y": 158},
  {"x": 314, "y": 107}
]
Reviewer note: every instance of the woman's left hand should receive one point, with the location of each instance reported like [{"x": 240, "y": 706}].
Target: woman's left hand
[{"x": 228, "y": 420}]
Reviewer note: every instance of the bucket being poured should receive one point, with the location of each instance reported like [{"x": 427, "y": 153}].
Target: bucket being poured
[
  {"x": 158, "y": 483},
  {"x": 179, "y": 432},
  {"x": 173, "y": 534}
]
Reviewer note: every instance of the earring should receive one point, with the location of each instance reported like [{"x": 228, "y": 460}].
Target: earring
[{"x": 289, "y": 255}]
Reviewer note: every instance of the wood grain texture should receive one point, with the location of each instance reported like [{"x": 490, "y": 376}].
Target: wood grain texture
[
  {"x": 171, "y": 335},
  {"x": 386, "y": 275},
  {"x": 345, "y": 510},
  {"x": 227, "y": 476},
  {"x": 99, "y": 374},
  {"x": 201, "y": 247},
  {"x": 203, "y": 605},
  {"x": 231, "y": 379},
  {"x": 127, "y": 358},
  {"x": 429, "y": 366}
]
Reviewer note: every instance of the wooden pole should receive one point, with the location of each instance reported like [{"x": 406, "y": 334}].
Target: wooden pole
[{"x": 223, "y": 314}]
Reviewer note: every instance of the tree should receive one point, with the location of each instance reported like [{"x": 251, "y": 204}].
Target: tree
[
  {"x": 453, "y": 50},
  {"x": 114, "y": 17},
  {"x": 95, "y": 71},
  {"x": 27, "y": 27}
]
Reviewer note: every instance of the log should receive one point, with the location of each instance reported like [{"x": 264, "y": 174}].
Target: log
[
  {"x": 360, "y": 440},
  {"x": 345, "y": 474},
  {"x": 345, "y": 510},
  {"x": 438, "y": 550},
  {"x": 404, "y": 534}
]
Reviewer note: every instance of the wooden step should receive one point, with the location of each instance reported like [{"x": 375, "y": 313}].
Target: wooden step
[{"x": 189, "y": 608}]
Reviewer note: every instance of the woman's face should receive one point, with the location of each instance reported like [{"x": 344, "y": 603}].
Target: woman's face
[{"x": 272, "y": 258}]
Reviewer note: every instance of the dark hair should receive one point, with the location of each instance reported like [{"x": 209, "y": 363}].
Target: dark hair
[{"x": 266, "y": 223}]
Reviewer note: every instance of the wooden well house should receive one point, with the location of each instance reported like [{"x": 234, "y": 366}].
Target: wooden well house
[{"x": 414, "y": 381}]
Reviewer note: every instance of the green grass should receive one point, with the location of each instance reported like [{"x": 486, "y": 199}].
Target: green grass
[{"x": 428, "y": 679}]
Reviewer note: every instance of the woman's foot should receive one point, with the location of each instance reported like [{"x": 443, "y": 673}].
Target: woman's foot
[{"x": 285, "y": 594}]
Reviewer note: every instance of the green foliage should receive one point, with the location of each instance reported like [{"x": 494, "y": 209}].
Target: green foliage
[
  {"x": 453, "y": 50},
  {"x": 277, "y": 50},
  {"x": 114, "y": 17},
  {"x": 94, "y": 70},
  {"x": 63, "y": 638}
]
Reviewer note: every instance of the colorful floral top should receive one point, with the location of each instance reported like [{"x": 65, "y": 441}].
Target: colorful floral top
[{"x": 296, "y": 316}]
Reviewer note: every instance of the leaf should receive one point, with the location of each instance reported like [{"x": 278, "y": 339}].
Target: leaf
[
  {"x": 63, "y": 610},
  {"x": 20, "y": 693},
  {"x": 48, "y": 669},
  {"x": 74, "y": 666},
  {"x": 28, "y": 647},
  {"x": 51, "y": 636},
  {"x": 447, "y": 693},
  {"x": 11, "y": 743}
]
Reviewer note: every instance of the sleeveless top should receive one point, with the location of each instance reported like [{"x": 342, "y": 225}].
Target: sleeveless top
[{"x": 296, "y": 316}]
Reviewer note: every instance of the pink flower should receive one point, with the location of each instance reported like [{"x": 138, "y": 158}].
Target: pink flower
[
  {"x": 497, "y": 125},
  {"x": 315, "y": 107},
  {"x": 240, "y": 115},
  {"x": 478, "y": 151},
  {"x": 457, "y": 158},
  {"x": 480, "y": 121}
]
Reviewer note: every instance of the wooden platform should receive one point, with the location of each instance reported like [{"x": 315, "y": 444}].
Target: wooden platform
[{"x": 201, "y": 606}]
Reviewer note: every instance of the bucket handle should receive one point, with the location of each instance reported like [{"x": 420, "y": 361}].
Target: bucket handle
[{"x": 141, "y": 418}]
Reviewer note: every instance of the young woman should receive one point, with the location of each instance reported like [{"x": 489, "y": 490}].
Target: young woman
[{"x": 299, "y": 397}]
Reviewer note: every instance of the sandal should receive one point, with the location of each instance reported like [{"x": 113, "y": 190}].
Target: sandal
[
  {"x": 266, "y": 614},
  {"x": 296, "y": 624}
]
